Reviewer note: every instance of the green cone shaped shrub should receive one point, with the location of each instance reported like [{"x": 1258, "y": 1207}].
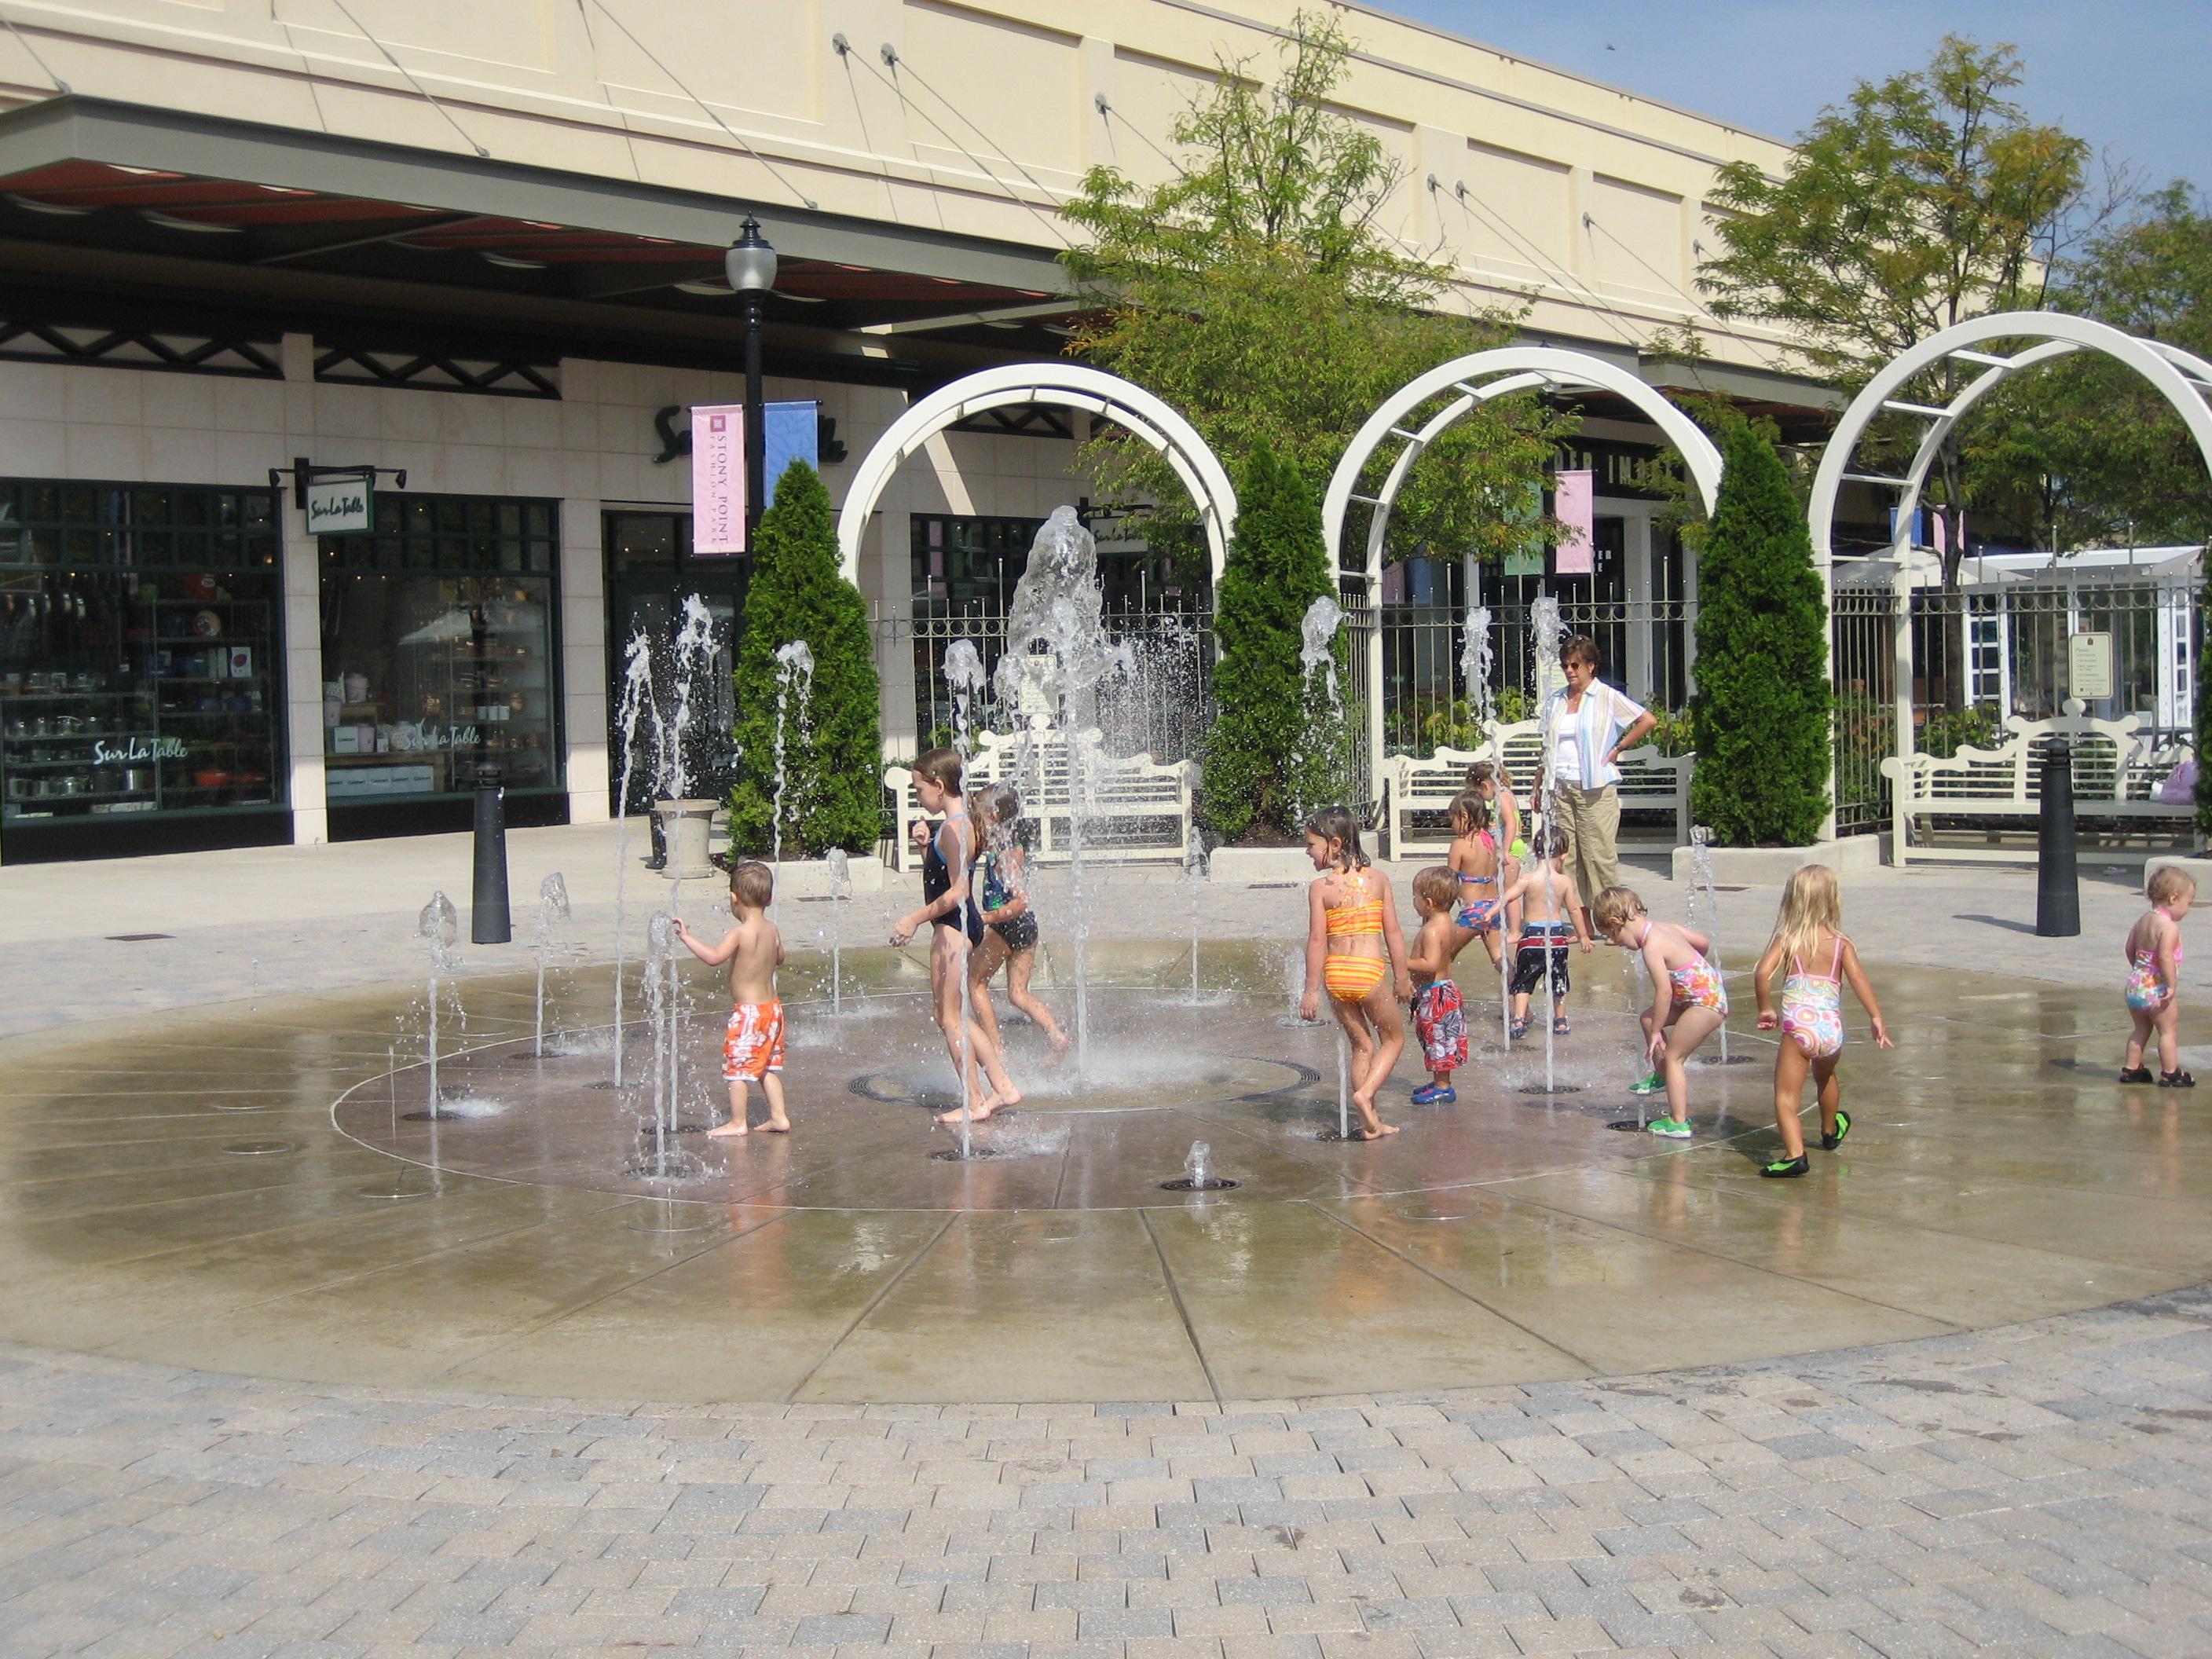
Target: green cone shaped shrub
[
  {"x": 1270, "y": 750},
  {"x": 834, "y": 766},
  {"x": 1763, "y": 703}
]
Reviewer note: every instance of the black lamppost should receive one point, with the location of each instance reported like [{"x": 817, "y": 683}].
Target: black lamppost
[{"x": 751, "y": 266}]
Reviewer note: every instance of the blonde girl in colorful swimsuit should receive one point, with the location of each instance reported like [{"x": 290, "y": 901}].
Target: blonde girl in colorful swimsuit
[
  {"x": 1480, "y": 869},
  {"x": 1355, "y": 951},
  {"x": 2153, "y": 951},
  {"x": 1809, "y": 936},
  {"x": 1689, "y": 1000}
]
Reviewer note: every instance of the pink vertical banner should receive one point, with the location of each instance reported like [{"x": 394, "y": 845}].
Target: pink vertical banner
[
  {"x": 718, "y": 478},
  {"x": 1571, "y": 504}
]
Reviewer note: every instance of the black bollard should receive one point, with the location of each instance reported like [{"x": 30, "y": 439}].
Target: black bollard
[
  {"x": 490, "y": 922},
  {"x": 2057, "y": 885}
]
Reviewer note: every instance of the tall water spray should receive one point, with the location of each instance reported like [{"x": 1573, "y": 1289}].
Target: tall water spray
[
  {"x": 1477, "y": 664},
  {"x": 1550, "y": 631},
  {"x": 631, "y": 705},
  {"x": 438, "y": 924},
  {"x": 841, "y": 889},
  {"x": 794, "y": 688},
  {"x": 1320, "y": 752},
  {"x": 1059, "y": 611},
  {"x": 965, "y": 679},
  {"x": 552, "y": 909}
]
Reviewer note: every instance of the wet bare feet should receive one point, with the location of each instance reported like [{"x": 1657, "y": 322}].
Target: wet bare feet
[
  {"x": 735, "y": 1126},
  {"x": 776, "y": 1126},
  {"x": 1374, "y": 1133},
  {"x": 1060, "y": 1047}
]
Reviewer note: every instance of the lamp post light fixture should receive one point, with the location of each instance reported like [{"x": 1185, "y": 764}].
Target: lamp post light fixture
[{"x": 750, "y": 264}]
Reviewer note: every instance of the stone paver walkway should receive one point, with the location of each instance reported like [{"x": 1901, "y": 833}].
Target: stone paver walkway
[{"x": 2039, "y": 1490}]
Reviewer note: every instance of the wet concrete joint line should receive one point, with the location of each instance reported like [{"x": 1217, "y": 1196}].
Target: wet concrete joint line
[
  {"x": 477, "y": 1243},
  {"x": 1174, "y": 1294},
  {"x": 874, "y": 1302},
  {"x": 1458, "y": 1290},
  {"x": 704, "y": 1248}
]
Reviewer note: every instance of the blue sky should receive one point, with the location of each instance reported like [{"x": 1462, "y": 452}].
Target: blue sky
[{"x": 2116, "y": 74}]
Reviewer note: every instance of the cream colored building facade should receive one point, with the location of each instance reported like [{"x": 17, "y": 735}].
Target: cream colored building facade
[{"x": 481, "y": 243}]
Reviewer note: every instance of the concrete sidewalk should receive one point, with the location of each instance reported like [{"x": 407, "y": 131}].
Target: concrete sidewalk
[{"x": 249, "y": 922}]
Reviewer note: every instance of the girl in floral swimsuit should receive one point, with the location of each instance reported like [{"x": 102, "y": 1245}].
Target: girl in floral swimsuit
[
  {"x": 1808, "y": 930},
  {"x": 1690, "y": 1003},
  {"x": 2153, "y": 951}
]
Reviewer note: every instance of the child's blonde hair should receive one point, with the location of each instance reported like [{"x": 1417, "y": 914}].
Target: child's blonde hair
[
  {"x": 2167, "y": 883},
  {"x": 1615, "y": 907},
  {"x": 1812, "y": 904},
  {"x": 1470, "y": 809},
  {"x": 752, "y": 885},
  {"x": 1436, "y": 885}
]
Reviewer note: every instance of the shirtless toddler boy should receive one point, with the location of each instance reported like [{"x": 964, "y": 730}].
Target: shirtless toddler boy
[{"x": 752, "y": 1048}]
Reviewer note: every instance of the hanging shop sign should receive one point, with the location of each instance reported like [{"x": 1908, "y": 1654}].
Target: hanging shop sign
[
  {"x": 339, "y": 504},
  {"x": 1572, "y": 506},
  {"x": 718, "y": 478}
]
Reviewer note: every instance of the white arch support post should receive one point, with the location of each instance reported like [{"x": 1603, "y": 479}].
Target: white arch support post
[
  {"x": 1477, "y": 378},
  {"x": 1059, "y": 386},
  {"x": 2184, "y": 380}
]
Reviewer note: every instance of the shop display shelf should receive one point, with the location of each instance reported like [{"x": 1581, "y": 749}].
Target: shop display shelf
[{"x": 9, "y": 698}]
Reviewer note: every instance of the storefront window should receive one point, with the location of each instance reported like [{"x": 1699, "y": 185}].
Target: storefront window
[
  {"x": 438, "y": 650},
  {"x": 139, "y": 650}
]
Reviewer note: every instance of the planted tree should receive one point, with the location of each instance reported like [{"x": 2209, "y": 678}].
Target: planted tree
[
  {"x": 1762, "y": 708},
  {"x": 1259, "y": 291},
  {"x": 1270, "y": 752},
  {"x": 833, "y": 755}
]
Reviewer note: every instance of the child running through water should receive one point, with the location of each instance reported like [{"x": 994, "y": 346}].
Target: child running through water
[
  {"x": 1354, "y": 950},
  {"x": 1689, "y": 1000},
  {"x": 752, "y": 1047},
  {"x": 1478, "y": 873},
  {"x": 1439, "y": 1013},
  {"x": 1010, "y": 926},
  {"x": 2154, "y": 984},
  {"x": 954, "y": 927},
  {"x": 1807, "y": 932},
  {"x": 1551, "y": 915}
]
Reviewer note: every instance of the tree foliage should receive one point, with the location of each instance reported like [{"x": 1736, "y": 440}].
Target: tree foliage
[
  {"x": 1926, "y": 199},
  {"x": 2085, "y": 453},
  {"x": 1265, "y": 292},
  {"x": 833, "y": 761},
  {"x": 1271, "y": 749},
  {"x": 1762, "y": 706}
]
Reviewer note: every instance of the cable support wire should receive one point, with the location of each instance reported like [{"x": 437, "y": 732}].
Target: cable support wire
[
  {"x": 735, "y": 137},
  {"x": 60, "y": 85},
  {"x": 901, "y": 67},
  {"x": 1611, "y": 319},
  {"x": 1590, "y": 223},
  {"x": 890, "y": 57},
  {"x": 481, "y": 151},
  {"x": 1107, "y": 109}
]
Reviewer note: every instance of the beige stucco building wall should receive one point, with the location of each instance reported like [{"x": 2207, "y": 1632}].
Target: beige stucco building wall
[{"x": 1583, "y": 201}]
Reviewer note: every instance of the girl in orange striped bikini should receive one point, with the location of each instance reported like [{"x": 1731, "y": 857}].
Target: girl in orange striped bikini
[{"x": 1355, "y": 951}]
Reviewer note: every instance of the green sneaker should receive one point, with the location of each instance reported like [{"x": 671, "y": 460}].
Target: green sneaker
[
  {"x": 1783, "y": 1168},
  {"x": 1650, "y": 1083},
  {"x": 1829, "y": 1142},
  {"x": 1673, "y": 1127}
]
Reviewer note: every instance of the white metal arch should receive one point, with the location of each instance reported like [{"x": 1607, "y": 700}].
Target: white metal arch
[
  {"x": 1479, "y": 378},
  {"x": 2182, "y": 380},
  {"x": 1059, "y": 386}
]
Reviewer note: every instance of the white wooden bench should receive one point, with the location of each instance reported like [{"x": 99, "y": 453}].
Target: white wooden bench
[
  {"x": 1137, "y": 808},
  {"x": 2115, "y": 783},
  {"x": 1650, "y": 782}
]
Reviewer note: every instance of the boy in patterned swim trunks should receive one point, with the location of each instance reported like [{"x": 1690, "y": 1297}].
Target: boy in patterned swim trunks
[
  {"x": 1439, "y": 1012},
  {"x": 752, "y": 1047}
]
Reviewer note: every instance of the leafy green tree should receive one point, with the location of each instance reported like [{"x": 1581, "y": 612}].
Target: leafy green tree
[
  {"x": 833, "y": 760},
  {"x": 2084, "y": 453},
  {"x": 1762, "y": 707},
  {"x": 1272, "y": 750},
  {"x": 1259, "y": 293},
  {"x": 1928, "y": 199}
]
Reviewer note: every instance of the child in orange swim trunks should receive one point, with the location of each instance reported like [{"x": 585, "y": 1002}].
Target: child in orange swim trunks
[
  {"x": 752, "y": 1047},
  {"x": 1355, "y": 951}
]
